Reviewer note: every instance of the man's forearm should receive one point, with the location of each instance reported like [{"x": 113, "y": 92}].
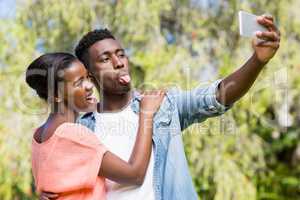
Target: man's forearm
[
  {"x": 234, "y": 86},
  {"x": 265, "y": 45}
]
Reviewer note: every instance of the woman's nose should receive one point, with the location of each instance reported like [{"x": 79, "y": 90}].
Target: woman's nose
[{"x": 89, "y": 85}]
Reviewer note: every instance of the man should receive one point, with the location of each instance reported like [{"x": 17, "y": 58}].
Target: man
[{"x": 116, "y": 120}]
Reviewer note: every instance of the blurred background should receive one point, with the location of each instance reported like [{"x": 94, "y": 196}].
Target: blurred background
[{"x": 252, "y": 152}]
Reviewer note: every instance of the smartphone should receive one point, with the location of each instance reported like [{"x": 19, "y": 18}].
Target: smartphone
[{"x": 248, "y": 24}]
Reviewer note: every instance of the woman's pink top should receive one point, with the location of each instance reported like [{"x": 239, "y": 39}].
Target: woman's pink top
[{"x": 68, "y": 164}]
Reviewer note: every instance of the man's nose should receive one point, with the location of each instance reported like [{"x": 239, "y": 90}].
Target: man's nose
[{"x": 117, "y": 63}]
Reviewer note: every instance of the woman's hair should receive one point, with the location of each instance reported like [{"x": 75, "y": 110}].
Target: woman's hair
[{"x": 43, "y": 73}]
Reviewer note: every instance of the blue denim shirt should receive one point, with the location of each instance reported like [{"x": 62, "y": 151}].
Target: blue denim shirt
[{"x": 179, "y": 109}]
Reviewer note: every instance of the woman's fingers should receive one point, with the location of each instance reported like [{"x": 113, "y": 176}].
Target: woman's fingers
[
  {"x": 153, "y": 95},
  {"x": 48, "y": 196}
]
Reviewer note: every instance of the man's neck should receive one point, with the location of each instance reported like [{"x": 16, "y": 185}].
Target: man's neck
[{"x": 114, "y": 102}]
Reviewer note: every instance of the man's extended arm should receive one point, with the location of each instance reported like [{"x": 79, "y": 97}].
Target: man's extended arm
[
  {"x": 200, "y": 103},
  {"x": 238, "y": 83}
]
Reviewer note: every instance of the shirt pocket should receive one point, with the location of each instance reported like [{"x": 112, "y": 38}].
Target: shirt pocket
[
  {"x": 163, "y": 123},
  {"x": 163, "y": 117}
]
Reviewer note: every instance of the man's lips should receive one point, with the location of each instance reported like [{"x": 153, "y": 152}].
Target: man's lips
[{"x": 124, "y": 79}]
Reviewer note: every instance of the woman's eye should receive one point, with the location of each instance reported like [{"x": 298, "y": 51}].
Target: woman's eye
[
  {"x": 89, "y": 77},
  {"x": 78, "y": 83}
]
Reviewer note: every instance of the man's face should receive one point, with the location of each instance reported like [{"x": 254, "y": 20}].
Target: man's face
[{"x": 109, "y": 65}]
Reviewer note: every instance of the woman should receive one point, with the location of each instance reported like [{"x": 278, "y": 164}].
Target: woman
[{"x": 67, "y": 158}]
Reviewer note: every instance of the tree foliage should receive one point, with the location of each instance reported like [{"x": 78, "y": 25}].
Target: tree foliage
[{"x": 252, "y": 152}]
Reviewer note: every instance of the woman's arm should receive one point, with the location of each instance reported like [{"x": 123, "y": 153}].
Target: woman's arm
[{"x": 133, "y": 171}]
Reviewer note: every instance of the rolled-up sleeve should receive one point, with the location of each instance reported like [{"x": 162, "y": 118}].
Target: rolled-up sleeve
[{"x": 198, "y": 104}]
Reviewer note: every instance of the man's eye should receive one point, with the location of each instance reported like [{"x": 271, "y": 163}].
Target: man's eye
[
  {"x": 105, "y": 60},
  {"x": 121, "y": 55}
]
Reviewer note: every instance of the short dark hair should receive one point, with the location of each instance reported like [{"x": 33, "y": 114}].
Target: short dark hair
[
  {"x": 43, "y": 75},
  {"x": 88, "y": 40}
]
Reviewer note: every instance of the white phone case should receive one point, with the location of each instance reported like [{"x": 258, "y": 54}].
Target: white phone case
[{"x": 248, "y": 24}]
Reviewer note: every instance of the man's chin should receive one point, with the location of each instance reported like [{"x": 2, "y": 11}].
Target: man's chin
[
  {"x": 121, "y": 90},
  {"x": 125, "y": 89}
]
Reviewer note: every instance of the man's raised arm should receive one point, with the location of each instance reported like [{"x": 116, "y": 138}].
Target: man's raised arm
[
  {"x": 200, "y": 103},
  {"x": 234, "y": 86}
]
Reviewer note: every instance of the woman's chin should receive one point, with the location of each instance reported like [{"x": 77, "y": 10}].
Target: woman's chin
[{"x": 90, "y": 106}]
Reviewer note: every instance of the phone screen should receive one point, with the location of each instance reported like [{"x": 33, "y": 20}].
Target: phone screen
[{"x": 248, "y": 24}]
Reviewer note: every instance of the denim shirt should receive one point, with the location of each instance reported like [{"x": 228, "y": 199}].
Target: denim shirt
[{"x": 179, "y": 109}]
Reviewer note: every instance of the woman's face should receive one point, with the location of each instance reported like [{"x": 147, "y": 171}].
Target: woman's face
[{"x": 77, "y": 89}]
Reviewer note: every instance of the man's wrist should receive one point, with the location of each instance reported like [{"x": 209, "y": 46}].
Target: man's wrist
[{"x": 257, "y": 61}]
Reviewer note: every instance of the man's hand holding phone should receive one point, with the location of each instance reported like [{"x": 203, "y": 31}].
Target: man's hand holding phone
[{"x": 267, "y": 39}]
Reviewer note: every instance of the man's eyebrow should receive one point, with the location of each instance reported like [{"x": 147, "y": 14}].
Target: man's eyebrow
[
  {"x": 104, "y": 53},
  {"x": 108, "y": 52},
  {"x": 117, "y": 50}
]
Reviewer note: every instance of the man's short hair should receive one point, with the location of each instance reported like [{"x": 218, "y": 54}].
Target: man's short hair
[{"x": 81, "y": 50}]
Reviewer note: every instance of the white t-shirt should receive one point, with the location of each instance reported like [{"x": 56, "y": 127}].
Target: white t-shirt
[{"x": 117, "y": 131}]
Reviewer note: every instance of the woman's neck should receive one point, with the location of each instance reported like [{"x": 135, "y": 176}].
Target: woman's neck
[
  {"x": 64, "y": 113},
  {"x": 54, "y": 120}
]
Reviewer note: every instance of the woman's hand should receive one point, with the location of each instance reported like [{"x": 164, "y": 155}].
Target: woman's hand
[
  {"x": 151, "y": 101},
  {"x": 48, "y": 196},
  {"x": 133, "y": 172}
]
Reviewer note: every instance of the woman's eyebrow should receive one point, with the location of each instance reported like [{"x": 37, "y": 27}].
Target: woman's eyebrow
[{"x": 78, "y": 79}]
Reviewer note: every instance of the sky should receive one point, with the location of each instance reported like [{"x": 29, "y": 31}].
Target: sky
[{"x": 7, "y": 8}]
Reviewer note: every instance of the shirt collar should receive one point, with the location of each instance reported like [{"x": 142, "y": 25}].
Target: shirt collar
[{"x": 135, "y": 101}]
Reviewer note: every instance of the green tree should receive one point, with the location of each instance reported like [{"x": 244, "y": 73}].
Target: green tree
[{"x": 249, "y": 153}]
